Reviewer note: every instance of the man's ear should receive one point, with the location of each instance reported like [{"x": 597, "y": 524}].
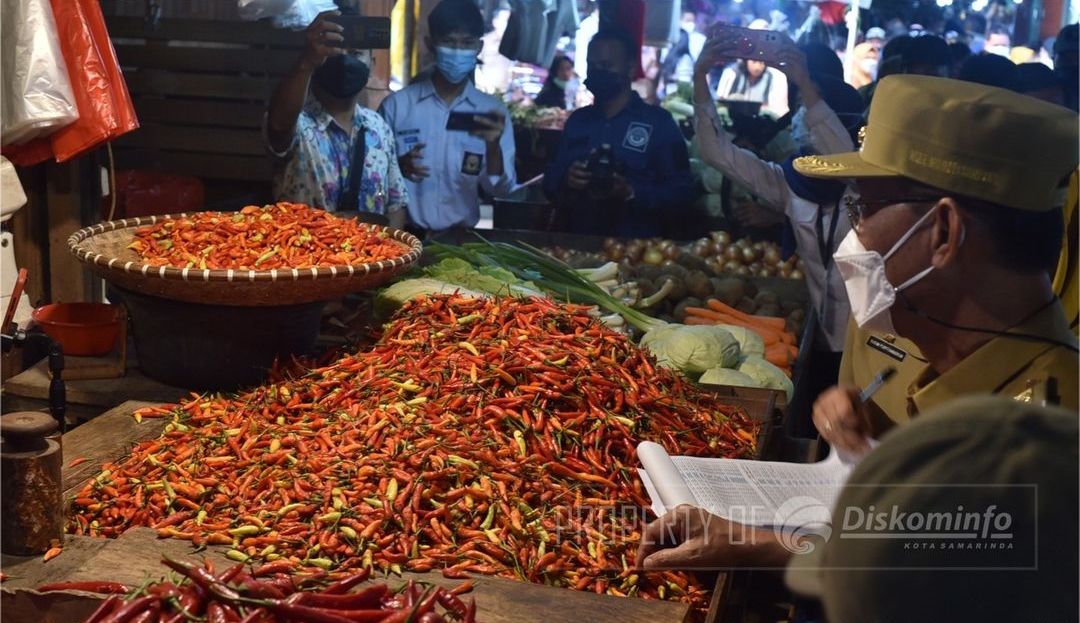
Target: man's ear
[{"x": 947, "y": 232}]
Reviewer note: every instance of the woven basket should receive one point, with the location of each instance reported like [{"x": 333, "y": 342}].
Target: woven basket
[{"x": 104, "y": 248}]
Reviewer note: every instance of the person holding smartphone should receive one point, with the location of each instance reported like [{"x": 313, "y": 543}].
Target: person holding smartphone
[
  {"x": 452, "y": 139},
  {"x": 331, "y": 152}
]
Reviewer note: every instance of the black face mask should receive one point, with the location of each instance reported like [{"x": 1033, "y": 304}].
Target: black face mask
[
  {"x": 342, "y": 76},
  {"x": 605, "y": 84}
]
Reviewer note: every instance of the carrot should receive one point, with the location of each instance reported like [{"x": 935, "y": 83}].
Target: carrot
[
  {"x": 699, "y": 321},
  {"x": 767, "y": 321},
  {"x": 701, "y": 312},
  {"x": 778, "y": 355}
]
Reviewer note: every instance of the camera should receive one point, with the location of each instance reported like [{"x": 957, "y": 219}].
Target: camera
[{"x": 601, "y": 167}]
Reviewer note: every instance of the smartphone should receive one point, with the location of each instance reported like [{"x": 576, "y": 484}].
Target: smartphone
[
  {"x": 465, "y": 121},
  {"x": 364, "y": 33},
  {"x": 759, "y": 45}
]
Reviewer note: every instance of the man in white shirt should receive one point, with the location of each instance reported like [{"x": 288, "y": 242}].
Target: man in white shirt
[
  {"x": 815, "y": 210},
  {"x": 445, "y": 169}
]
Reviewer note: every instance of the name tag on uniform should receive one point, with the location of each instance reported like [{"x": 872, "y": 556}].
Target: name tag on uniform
[
  {"x": 637, "y": 137},
  {"x": 408, "y": 138},
  {"x": 471, "y": 163},
  {"x": 886, "y": 348}
]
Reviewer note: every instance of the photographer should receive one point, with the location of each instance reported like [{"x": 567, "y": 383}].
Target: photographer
[
  {"x": 622, "y": 166},
  {"x": 333, "y": 153},
  {"x": 826, "y": 122}
]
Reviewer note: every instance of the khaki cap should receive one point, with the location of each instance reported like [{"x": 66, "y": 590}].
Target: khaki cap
[
  {"x": 974, "y": 454},
  {"x": 966, "y": 138}
]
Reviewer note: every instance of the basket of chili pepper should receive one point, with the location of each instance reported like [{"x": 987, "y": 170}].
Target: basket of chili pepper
[{"x": 281, "y": 254}]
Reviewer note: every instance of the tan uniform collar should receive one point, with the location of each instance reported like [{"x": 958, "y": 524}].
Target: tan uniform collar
[{"x": 993, "y": 365}]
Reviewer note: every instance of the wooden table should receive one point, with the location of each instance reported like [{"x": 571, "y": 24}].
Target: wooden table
[
  {"x": 86, "y": 399},
  {"x": 137, "y": 554}
]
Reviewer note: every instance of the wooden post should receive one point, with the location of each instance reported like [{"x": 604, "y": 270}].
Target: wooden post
[{"x": 66, "y": 191}]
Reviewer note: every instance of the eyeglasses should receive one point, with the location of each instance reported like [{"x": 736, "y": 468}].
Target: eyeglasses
[{"x": 857, "y": 207}]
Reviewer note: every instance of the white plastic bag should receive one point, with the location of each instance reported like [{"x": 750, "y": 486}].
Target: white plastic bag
[
  {"x": 37, "y": 98},
  {"x": 291, "y": 14}
]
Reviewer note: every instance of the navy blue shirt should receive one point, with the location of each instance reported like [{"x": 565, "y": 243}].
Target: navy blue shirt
[{"x": 650, "y": 153}]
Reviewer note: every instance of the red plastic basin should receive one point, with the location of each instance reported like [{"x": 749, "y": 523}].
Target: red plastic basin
[{"x": 83, "y": 329}]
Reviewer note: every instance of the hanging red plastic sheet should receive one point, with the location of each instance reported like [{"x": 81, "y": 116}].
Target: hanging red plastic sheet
[{"x": 105, "y": 108}]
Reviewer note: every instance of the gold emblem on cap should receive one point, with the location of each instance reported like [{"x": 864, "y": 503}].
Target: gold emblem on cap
[
  {"x": 815, "y": 164},
  {"x": 862, "y": 136}
]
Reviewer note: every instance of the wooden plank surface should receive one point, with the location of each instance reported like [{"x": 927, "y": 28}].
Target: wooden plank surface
[
  {"x": 69, "y": 280},
  {"x": 202, "y": 30},
  {"x": 173, "y": 83},
  {"x": 209, "y": 59},
  {"x": 105, "y": 393},
  {"x": 137, "y": 553},
  {"x": 212, "y": 166},
  {"x": 200, "y": 112},
  {"x": 104, "y": 438},
  {"x": 245, "y": 142}
]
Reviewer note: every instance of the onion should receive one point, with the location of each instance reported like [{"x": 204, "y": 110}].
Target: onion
[
  {"x": 722, "y": 236},
  {"x": 748, "y": 255},
  {"x": 796, "y": 274},
  {"x": 743, "y": 271},
  {"x": 732, "y": 267},
  {"x": 733, "y": 254},
  {"x": 634, "y": 250},
  {"x": 718, "y": 248},
  {"x": 609, "y": 242},
  {"x": 772, "y": 256},
  {"x": 671, "y": 251},
  {"x": 701, "y": 248},
  {"x": 653, "y": 256},
  {"x": 615, "y": 252}
]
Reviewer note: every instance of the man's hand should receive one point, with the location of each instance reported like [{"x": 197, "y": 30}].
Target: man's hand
[
  {"x": 578, "y": 176},
  {"x": 691, "y": 538},
  {"x": 491, "y": 127},
  {"x": 792, "y": 61},
  {"x": 323, "y": 39},
  {"x": 620, "y": 188},
  {"x": 842, "y": 420},
  {"x": 410, "y": 164},
  {"x": 719, "y": 49}
]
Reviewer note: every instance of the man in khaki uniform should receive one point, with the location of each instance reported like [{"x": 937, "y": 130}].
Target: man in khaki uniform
[
  {"x": 866, "y": 353},
  {"x": 980, "y": 462},
  {"x": 953, "y": 234},
  {"x": 950, "y": 245}
]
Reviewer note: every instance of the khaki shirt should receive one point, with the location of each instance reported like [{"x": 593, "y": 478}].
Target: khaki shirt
[
  {"x": 1008, "y": 366},
  {"x": 1011, "y": 367},
  {"x": 865, "y": 355}
]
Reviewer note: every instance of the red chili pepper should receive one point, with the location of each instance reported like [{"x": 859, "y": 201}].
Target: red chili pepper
[
  {"x": 109, "y": 588},
  {"x": 129, "y": 610},
  {"x": 344, "y": 585},
  {"x": 364, "y": 599}
]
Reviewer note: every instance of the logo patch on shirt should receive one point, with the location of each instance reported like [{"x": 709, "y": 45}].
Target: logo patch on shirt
[
  {"x": 637, "y": 137},
  {"x": 886, "y": 348},
  {"x": 471, "y": 163}
]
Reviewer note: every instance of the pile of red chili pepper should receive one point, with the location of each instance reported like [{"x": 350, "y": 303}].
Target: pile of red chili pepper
[
  {"x": 283, "y": 235},
  {"x": 265, "y": 595},
  {"x": 487, "y": 436}
]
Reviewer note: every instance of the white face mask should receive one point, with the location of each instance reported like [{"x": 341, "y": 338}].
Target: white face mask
[
  {"x": 869, "y": 291},
  {"x": 689, "y": 27},
  {"x": 869, "y": 66}
]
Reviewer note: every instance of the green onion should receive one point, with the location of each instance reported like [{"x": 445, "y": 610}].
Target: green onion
[{"x": 550, "y": 274}]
